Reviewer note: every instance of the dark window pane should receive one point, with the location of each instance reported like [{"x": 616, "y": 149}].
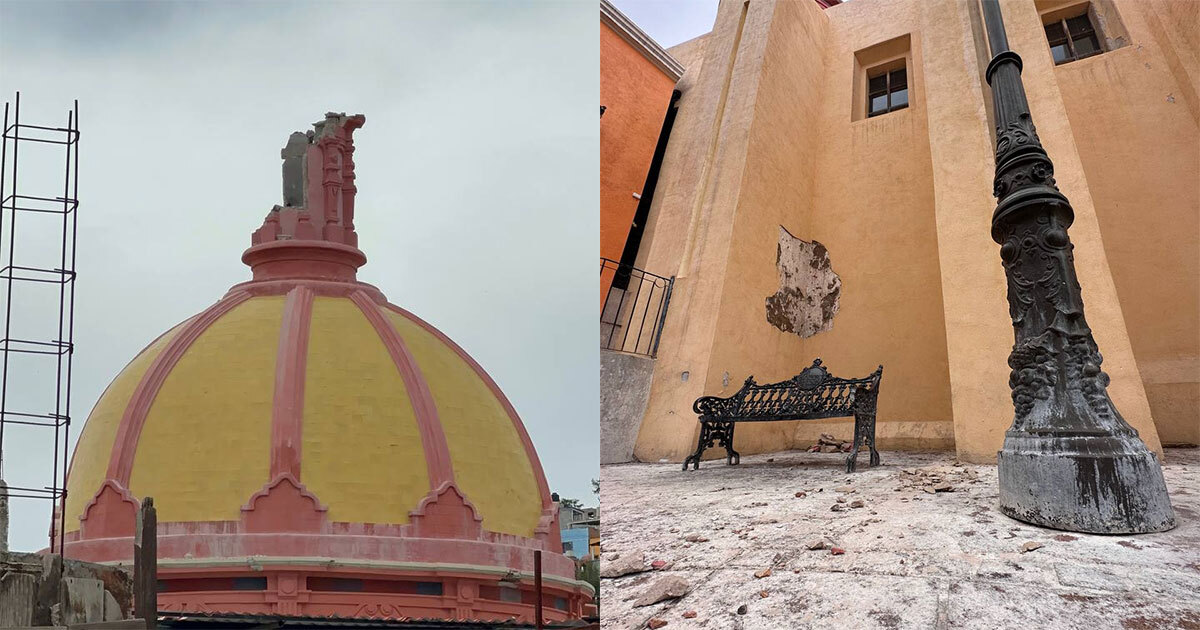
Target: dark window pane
[
  {"x": 899, "y": 98},
  {"x": 249, "y": 583},
  {"x": 899, "y": 79},
  {"x": 1079, "y": 25},
  {"x": 877, "y": 84},
  {"x": 1054, "y": 32},
  {"x": 429, "y": 588},
  {"x": 1060, "y": 53},
  {"x": 1086, "y": 46},
  {"x": 878, "y": 104}
]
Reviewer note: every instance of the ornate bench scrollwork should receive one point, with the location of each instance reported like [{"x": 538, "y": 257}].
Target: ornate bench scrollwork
[{"x": 813, "y": 394}]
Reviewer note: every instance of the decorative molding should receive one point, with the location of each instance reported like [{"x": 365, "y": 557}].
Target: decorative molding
[
  {"x": 643, "y": 43},
  {"x": 120, "y": 463},
  {"x": 115, "y": 511},
  {"x": 446, "y": 513},
  {"x": 433, "y": 437},
  {"x": 283, "y": 505},
  {"x": 287, "y": 414},
  {"x": 530, "y": 451}
]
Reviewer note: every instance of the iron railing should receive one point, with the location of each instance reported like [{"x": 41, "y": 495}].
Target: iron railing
[{"x": 634, "y": 308}]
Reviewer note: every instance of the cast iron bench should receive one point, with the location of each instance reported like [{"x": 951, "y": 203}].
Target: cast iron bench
[{"x": 810, "y": 395}]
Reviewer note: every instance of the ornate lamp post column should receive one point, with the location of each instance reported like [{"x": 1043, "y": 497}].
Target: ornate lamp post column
[{"x": 1070, "y": 461}]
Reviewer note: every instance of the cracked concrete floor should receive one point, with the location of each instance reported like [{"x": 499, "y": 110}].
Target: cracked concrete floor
[{"x": 913, "y": 558}]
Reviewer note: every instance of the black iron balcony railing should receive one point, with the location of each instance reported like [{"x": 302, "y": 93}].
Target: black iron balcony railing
[{"x": 635, "y": 306}]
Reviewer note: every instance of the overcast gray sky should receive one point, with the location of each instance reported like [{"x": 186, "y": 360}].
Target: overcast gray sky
[
  {"x": 477, "y": 173},
  {"x": 670, "y": 22}
]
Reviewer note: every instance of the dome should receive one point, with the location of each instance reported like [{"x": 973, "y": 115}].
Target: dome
[{"x": 312, "y": 448}]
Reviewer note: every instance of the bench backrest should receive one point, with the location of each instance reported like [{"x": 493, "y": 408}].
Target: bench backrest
[{"x": 813, "y": 393}]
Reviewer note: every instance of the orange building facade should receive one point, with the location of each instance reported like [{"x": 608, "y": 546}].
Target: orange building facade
[{"x": 637, "y": 78}]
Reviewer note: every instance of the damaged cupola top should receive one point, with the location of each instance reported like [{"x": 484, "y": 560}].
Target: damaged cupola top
[
  {"x": 312, "y": 234},
  {"x": 313, "y": 449}
]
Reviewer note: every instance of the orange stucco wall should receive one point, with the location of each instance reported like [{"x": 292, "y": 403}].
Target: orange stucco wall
[
  {"x": 635, "y": 94},
  {"x": 769, "y": 134}
]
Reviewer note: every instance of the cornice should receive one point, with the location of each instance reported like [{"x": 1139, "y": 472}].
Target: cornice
[{"x": 638, "y": 38}]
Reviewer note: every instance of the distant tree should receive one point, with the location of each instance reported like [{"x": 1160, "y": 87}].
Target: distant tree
[
  {"x": 596, "y": 486},
  {"x": 571, "y": 503},
  {"x": 589, "y": 571}
]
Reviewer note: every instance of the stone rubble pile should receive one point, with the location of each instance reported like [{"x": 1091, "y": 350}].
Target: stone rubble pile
[
  {"x": 829, "y": 444},
  {"x": 934, "y": 479}
]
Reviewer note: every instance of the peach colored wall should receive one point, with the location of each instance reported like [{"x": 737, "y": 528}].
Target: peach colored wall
[
  {"x": 636, "y": 94},
  {"x": 765, "y": 137},
  {"x": 1138, "y": 142}
]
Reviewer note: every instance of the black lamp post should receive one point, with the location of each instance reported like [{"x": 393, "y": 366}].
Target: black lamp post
[{"x": 1070, "y": 461}]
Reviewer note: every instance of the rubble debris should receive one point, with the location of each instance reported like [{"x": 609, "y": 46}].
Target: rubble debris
[
  {"x": 857, "y": 503},
  {"x": 634, "y": 562},
  {"x": 829, "y": 444},
  {"x": 691, "y": 614},
  {"x": 836, "y": 551},
  {"x": 762, "y": 573},
  {"x": 666, "y": 587},
  {"x": 934, "y": 479},
  {"x": 763, "y": 594},
  {"x": 818, "y": 544},
  {"x": 695, "y": 538},
  {"x": 1030, "y": 546},
  {"x": 659, "y": 565},
  {"x": 741, "y": 610},
  {"x": 801, "y": 494},
  {"x": 656, "y": 623}
]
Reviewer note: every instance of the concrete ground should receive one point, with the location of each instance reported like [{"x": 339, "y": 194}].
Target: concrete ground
[{"x": 914, "y": 556}]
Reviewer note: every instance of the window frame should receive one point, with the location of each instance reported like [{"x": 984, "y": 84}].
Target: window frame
[
  {"x": 888, "y": 90},
  {"x": 1069, "y": 39}
]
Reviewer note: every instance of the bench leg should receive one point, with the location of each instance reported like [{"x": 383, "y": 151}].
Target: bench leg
[
  {"x": 720, "y": 433},
  {"x": 870, "y": 435},
  {"x": 704, "y": 442},
  {"x": 732, "y": 457},
  {"x": 852, "y": 459}
]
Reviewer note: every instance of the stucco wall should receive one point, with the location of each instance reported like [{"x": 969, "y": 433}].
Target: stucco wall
[
  {"x": 624, "y": 389},
  {"x": 1140, "y": 150},
  {"x": 635, "y": 94},
  {"x": 766, "y": 137}
]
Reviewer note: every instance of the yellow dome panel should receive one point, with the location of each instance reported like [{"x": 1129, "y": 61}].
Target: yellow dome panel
[
  {"x": 93, "y": 450},
  {"x": 206, "y": 444},
  {"x": 361, "y": 450},
  {"x": 489, "y": 459}
]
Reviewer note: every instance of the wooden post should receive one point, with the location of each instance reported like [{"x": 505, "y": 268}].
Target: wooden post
[
  {"x": 145, "y": 564},
  {"x": 537, "y": 584}
]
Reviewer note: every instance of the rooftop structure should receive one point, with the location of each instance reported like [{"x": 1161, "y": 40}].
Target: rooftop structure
[{"x": 313, "y": 449}]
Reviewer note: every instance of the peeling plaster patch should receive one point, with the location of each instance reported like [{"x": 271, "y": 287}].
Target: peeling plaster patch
[{"x": 809, "y": 289}]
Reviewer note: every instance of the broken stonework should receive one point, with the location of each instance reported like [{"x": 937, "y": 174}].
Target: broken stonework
[
  {"x": 667, "y": 587},
  {"x": 809, "y": 289},
  {"x": 625, "y": 564}
]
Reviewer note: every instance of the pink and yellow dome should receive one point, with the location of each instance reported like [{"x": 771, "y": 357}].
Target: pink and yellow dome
[{"x": 313, "y": 449}]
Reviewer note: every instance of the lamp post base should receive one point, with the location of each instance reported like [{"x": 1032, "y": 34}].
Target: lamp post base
[{"x": 1095, "y": 484}]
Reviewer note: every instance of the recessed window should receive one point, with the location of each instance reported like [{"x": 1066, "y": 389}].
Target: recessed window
[
  {"x": 887, "y": 92},
  {"x": 1073, "y": 38}
]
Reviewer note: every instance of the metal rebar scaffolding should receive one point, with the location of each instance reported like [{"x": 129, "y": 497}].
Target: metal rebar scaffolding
[{"x": 18, "y": 279}]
